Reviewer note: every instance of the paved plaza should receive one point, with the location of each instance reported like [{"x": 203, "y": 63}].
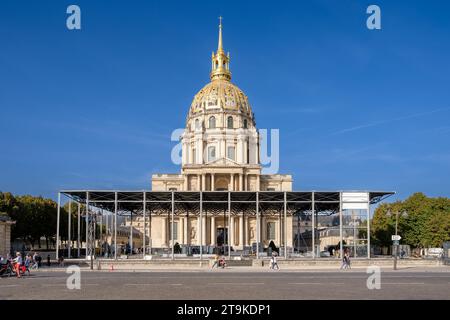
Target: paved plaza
[{"x": 232, "y": 283}]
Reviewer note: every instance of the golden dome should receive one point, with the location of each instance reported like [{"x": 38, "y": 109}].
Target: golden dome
[{"x": 220, "y": 95}]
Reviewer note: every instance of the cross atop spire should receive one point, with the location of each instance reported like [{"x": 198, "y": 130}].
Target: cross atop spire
[
  {"x": 220, "y": 64},
  {"x": 220, "y": 45}
]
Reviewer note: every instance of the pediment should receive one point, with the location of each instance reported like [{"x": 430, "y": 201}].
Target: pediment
[{"x": 223, "y": 162}]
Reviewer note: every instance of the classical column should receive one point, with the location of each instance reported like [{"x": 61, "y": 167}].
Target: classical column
[
  {"x": 184, "y": 159},
  {"x": 213, "y": 231},
  {"x": 198, "y": 183},
  {"x": 181, "y": 237},
  {"x": 199, "y": 226},
  {"x": 203, "y": 182},
  {"x": 278, "y": 232},
  {"x": 241, "y": 231},
  {"x": 247, "y": 231},
  {"x": 258, "y": 183},
  {"x": 232, "y": 182},
  {"x": 190, "y": 154},
  {"x": 223, "y": 148},
  {"x": 212, "y": 182},
  {"x": 186, "y": 238},
  {"x": 241, "y": 182},
  {"x": 255, "y": 148},
  {"x": 205, "y": 238},
  {"x": 200, "y": 151},
  {"x": 263, "y": 229},
  {"x": 186, "y": 182},
  {"x": 245, "y": 182},
  {"x": 240, "y": 150},
  {"x": 164, "y": 232},
  {"x": 232, "y": 232}
]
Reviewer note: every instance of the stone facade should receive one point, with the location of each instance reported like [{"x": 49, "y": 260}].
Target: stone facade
[{"x": 5, "y": 235}]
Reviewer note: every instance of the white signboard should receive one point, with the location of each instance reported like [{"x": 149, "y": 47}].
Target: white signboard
[
  {"x": 355, "y": 200},
  {"x": 355, "y": 197},
  {"x": 394, "y": 237},
  {"x": 355, "y": 205}
]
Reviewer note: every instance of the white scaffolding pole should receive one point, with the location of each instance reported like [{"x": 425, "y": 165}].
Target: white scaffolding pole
[
  {"x": 258, "y": 226},
  {"x": 201, "y": 226},
  {"x": 87, "y": 223},
  {"x": 69, "y": 219},
  {"x": 171, "y": 226},
  {"x": 79, "y": 229},
  {"x": 57, "y": 225},
  {"x": 101, "y": 240},
  {"x": 150, "y": 232},
  {"x": 368, "y": 226},
  {"x": 115, "y": 225},
  {"x": 131, "y": 233},
  {"x": 341, "y": 246},
  {"x": 144, "y": 244},
  {"x": 230, "y": 229},
  {"x": 313, "y": 213},
  {"x": 106, "y": 234},
  {"x": 285, "y": 226}
]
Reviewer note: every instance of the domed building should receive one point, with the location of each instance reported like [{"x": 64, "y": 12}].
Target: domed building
[
  {"x": 220, "y": 152},
  {"x": 220, "y": 145},
  {"x": 220, "y": 149}
]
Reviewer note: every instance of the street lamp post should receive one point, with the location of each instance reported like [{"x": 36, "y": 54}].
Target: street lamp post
[{"x": 396, "y": 243}]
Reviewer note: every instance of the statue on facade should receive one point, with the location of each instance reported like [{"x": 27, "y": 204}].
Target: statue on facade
[{"x": 252, "y": 232}]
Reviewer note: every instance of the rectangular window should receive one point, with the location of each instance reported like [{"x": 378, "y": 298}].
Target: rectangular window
[
  {"x": 231, "y": 153},
  {"x": 211, "y": 153},
  {"x": 270, "y": 230}
]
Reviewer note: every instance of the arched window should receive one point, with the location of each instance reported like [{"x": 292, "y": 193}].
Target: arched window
[
  {"x": 245, "y": 124},
  {"x": 212, "y": 122},
  {"x": 197, "y": 124},
  {"x": 230, "y": 122}
]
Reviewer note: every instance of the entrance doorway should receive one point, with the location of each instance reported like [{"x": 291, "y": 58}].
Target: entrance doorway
[{"x": 221, "y": 236}]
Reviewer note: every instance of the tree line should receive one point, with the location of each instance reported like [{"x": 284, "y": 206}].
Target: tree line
[
  {"x": 425, "y": 224},
  {"x": 36, "y": 218}
]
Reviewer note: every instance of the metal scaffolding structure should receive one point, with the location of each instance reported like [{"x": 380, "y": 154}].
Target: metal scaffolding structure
[{"x": 172, "y": 204}]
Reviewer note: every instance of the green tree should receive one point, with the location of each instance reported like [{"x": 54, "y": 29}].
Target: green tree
[{"x": 426, "y": 225}]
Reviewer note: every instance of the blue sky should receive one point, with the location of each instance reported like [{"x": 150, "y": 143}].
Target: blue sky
[{"x": 356, "y": 108}]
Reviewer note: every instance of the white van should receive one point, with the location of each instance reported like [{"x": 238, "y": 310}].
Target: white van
[{"x": 435, "y": 252}]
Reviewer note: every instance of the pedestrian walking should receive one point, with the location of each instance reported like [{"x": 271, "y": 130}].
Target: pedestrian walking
[
  {"x": 216, "y": 262},
  {"x": 273, "y": 262},
  {"x": 222, "y": 262},
  {"x": 345, "y": 260},
  {"x": 61, "y": 261},
  {"x": 17, "y": 263}
]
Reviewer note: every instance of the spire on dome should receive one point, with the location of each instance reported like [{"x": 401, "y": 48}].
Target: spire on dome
[{"x": 220, "y": 67}]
